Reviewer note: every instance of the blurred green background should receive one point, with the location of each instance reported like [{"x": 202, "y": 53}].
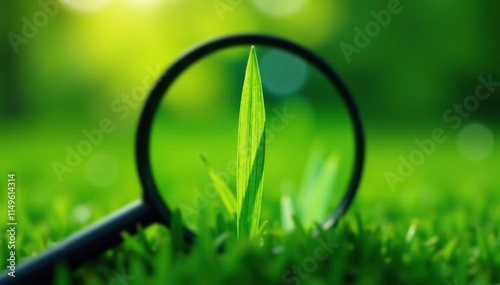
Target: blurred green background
[{"x": 69, "y": 65}]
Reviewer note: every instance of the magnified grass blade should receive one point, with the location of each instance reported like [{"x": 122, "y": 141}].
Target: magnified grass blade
[
  {"x": 177, "y": 231},
  {"x": 317, "y": 189},
  {"x": 288, "y": 206},
  {"x": 261, "y": 229},
  {"x": 223, "y": 189},
  {"x": 251, "y": 150},
  {"x": 287, "y": 213}
]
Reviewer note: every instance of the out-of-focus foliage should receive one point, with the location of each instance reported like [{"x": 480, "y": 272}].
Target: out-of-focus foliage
[{"x": 79, "y": 71}]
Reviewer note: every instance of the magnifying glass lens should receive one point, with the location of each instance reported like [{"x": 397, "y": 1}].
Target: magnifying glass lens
[{"x": 309, "y": 152}]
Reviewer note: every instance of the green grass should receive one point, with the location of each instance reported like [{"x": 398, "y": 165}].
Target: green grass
[
  {"x": 440, "y": 226},
  {"x": 249, "y": 157},
  {"x": 353, "y": 253},
  {"x": 246, "y": 210},
  {"x": 251, "y": 151},
  {"x": 431, "y": 230}
]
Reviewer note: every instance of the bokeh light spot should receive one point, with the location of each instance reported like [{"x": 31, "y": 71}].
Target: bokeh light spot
[
  {"x": 81, "y": 213},
  {"x": 282, "y": 73},
  {"x": 475, "y": 142},
  {"x": 148, "y": 3},
  {"x": 102, "y": 169},
  {"x": 279, "y": 8},
  {"x": 86, "y": 6}
]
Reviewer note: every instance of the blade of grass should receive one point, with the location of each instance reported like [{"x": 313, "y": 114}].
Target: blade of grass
[
  {"x": 262, "y": 227},
  {"x": 177, "y": 233},
  {"x": 225, "y": 192},
  {"x": 287, "y": 212},
  {"x": 318, "y": 188},
  {"x": 251, "y": 150}
]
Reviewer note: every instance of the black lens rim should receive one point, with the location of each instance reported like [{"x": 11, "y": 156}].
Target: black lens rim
[{"x": 151, "y": 194}]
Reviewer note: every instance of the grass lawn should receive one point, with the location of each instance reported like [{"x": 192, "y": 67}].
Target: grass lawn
[{"x": 438, "y": 226}]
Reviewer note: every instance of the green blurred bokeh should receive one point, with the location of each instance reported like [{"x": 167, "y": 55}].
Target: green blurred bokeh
[{"x": 69, "y": 65}]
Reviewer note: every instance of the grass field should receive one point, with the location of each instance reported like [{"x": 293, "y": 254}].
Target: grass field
[
  {"x": 438, "y": 226},
  {"x": 424, "y": 75}
]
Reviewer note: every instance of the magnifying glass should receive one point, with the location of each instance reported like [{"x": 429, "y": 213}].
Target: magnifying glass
[{"x": 154, "y": 150}]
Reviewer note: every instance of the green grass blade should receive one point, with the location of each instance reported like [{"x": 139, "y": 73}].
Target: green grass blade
[
  {"x": 288, "y": 207},
  {"x": 287, "y": 213},
  {"x": 262, "y": 227},
  {"x": 225, "y": 192},
  {"x": 318, "y": 188},
  {"x": 251, "y": 150},
  {"x": 177, "y": 233}
]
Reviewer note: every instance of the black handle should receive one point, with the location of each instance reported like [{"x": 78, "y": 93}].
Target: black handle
[{"x": 81, "y": 246}]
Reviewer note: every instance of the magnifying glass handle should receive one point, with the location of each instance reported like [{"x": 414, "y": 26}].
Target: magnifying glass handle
[{"x": 81, "y": 246}]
